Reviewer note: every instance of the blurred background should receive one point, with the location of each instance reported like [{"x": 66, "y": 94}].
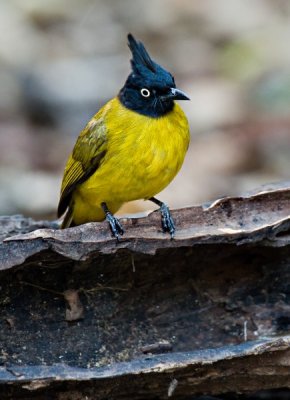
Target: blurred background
[{"x": 61, "y": 60}]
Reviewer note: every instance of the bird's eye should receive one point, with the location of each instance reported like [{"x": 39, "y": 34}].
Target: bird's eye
[{"x": 145, "y": 92}]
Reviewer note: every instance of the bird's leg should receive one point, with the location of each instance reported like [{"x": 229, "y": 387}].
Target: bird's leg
[
  {"x": 114, "y": 223},
  {"x": 167, "y": 221}
]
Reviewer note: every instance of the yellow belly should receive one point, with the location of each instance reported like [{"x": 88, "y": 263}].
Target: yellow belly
[{"x": 143, "y": 156}]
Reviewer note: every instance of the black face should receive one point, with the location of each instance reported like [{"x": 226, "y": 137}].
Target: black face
[
  {"x": 147, "y": 99},
  {"x": 150, "y": 89}
]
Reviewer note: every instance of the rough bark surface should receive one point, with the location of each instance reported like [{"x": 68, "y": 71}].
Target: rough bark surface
[{"x": 83, "y": 315}]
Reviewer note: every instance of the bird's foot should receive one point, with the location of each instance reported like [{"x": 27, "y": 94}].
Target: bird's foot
[
  {"x": 167, "y": 221},
  {"x": 115, "y": 225}
]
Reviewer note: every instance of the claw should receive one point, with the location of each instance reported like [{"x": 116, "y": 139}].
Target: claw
[
  {"x": 167, "y": 221},
  {"x": 115, "y": 225}
]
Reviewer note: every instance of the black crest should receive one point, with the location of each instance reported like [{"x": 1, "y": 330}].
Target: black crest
[{"x": 140, "y": 54}]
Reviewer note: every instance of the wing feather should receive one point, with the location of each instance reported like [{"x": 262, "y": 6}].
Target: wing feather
[{"x": 85, "y": 159}]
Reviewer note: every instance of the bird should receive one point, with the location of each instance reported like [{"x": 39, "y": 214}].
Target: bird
[{"x": 131, "y": 149}]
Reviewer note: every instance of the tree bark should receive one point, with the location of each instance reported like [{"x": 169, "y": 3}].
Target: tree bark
[{"x": 85, "y": 316}]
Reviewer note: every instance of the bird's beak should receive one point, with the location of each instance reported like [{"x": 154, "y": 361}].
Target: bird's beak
[{"x": 176, "y": 94}]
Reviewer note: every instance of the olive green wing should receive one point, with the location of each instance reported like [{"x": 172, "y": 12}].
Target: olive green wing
[{"x": 85, "y": 159}]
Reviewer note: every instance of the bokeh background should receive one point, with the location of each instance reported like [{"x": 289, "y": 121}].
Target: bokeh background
[{"x": 60, "y": 60}]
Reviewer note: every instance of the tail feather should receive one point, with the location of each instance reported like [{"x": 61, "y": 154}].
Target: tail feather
[{"x": 68, "y": 219}]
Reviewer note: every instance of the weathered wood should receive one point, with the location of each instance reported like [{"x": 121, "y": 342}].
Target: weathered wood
[
  {"x": 258, "y": 217},
  {"x": 222, "y": 283},
  {"x": 239, "y": 369}
]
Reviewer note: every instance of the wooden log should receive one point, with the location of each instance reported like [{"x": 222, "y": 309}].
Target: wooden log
[{"x": 149, "y": 317}]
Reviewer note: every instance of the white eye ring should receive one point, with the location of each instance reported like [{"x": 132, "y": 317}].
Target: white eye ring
[{"x": 145, "y": 92}]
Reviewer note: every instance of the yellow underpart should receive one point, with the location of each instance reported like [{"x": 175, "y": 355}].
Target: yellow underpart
[{"x": 143, "y": 155}]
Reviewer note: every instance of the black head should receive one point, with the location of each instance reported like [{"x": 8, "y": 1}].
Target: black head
[{"x": 149, "y": 89}]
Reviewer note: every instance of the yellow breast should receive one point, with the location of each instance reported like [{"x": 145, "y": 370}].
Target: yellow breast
[{"x": 143, "y": 155}]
